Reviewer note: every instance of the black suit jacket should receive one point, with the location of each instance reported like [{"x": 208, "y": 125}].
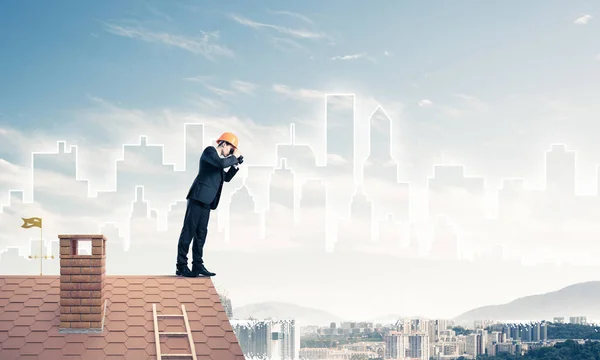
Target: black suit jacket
[{"x": 211, "y": 174}]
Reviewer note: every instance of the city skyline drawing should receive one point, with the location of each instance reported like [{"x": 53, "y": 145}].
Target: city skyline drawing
[{"x": 294, "y": 203}]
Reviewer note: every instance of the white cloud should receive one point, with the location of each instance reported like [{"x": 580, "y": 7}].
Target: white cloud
[
  {"x": 238, "y": 86},
  {"x": 473, "y": 102},
  {"x": 298, "y": 94},
  {"x": 53, "y": 181},
  {"x": 297, "y": 33},
  {"x": 12, "y": 177},
  {"x": 292, "y": 14},
  {"x": 583, "y": 20},
  {"x": 7, "y": 167},
  {"x": 158, "y": 13},
  {"x": 425, "y": 103},
  {"x": 598, "y": 57},
  {"x": 165, "y": 126},
  {"x": 96, "y": 160},
  {"x": 244, "y": 87},
  {"x": 355, "y": 57},
  {"x": 350, "y": 57},
  {"x": 452, "y": 111},
  {"x": 335, "y": 159},
  {"x": 218, "y": 91},
  {"x": 162, "y": 126},
  {"x": 205, "y": 45},
  {"x": 207, "y": 103},
  {"x": 364, "y": 104},
  {"x": 200, "y": 78},
  {"x": 12, "y": 141},
  {"x": 339, "y": 103},
  {"x": 387, "y": 53},
  {"x": 286, "y": 44},
  {"x": 467, "y": 105}
]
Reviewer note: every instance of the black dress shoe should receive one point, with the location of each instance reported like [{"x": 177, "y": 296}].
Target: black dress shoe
[
  {"x": 201, "y": 270},
  {"x": 184, "y": 271}
]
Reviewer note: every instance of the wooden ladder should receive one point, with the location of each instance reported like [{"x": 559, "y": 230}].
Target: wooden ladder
[{"x": 188, "y": 332}]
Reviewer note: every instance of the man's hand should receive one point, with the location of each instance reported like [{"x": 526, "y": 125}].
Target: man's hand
[{"x": 236, "y": 153}]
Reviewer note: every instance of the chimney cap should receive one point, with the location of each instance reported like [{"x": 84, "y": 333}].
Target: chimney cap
[{"x": 83, "y": 236}]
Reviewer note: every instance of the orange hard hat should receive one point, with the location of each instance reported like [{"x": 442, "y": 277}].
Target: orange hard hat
[{"x": 230, "y": 138}]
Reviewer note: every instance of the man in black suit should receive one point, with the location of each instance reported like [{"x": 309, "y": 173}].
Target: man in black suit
[{"x": 204, "y": 196}]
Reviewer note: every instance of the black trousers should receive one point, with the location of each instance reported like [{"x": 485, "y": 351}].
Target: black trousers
[{"x": 195, "y": 226}]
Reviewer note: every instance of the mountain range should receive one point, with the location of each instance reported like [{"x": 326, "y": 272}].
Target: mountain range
[
  {"x": 575, "y": 300},
  {"x": 277, "y": 310}
]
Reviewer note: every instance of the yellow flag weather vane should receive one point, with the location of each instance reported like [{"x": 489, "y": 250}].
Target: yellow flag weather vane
[{"x": 36, "y": 222}]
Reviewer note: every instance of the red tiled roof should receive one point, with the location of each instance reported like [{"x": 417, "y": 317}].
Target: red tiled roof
[{"x": 30, "y": 319}]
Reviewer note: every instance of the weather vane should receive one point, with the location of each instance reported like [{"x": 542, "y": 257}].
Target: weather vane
[{"x": 36, "y": 222}]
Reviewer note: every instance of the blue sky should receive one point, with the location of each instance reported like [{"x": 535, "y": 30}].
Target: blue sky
[
  {"x": 462, "y": 80},
  {"x": 486, "y": 84},
  {"x": 57, "y": 52}
]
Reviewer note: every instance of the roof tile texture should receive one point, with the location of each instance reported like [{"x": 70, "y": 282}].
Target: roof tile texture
[{"x": 30, "y": 317}]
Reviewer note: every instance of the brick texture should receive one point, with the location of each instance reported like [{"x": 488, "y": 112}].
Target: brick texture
[{"x": 82, "y": 282}]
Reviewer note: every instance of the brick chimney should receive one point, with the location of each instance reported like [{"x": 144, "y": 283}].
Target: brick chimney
[{"x": 82, "y": 279}]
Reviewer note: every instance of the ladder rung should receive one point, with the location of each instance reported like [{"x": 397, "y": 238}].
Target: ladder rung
[
  {"x": 177, "y": 355},
  {"x": 188, "y": 332}
]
